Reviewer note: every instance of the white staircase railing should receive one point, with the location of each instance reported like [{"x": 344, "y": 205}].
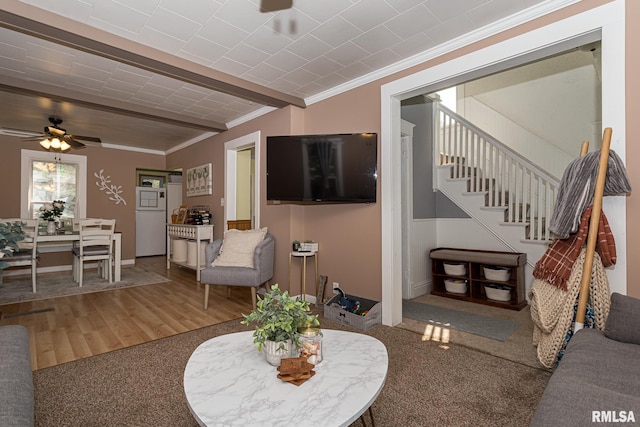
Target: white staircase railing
[{"x": 524, "y": 190}]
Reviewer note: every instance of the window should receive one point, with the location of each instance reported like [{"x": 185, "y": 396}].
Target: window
[{"x": 53, "y": 176}]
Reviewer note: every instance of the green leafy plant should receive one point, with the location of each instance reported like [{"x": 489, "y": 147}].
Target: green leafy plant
[
  {"x": 277, "y": 317},
  {"x": 10, "y": 234}
]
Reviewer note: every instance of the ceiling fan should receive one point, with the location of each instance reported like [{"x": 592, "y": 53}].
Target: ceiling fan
[
  {"x": 54, "y": 137},
  {"x": 275, "y": 5}
]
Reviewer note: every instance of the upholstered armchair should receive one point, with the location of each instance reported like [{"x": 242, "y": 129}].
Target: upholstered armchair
[{"x": 252, "y": 274}]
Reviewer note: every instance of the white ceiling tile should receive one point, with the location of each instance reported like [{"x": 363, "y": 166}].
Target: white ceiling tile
[
  {"x": 247, "y": 55},
  {"x": 331, "y": 80},
  {"x": 222, "y": 33},
  {"x": 447, "y": 9},
  {"x": 347, "y": 54},
  {"x": 322, "y": 66},
  {"x": 13, "y": 68},
  {"x": 412, "y": 22},
  {"x": 242, "y": 14},
  {"x": 377, "y": 39},
  {"x": 195, "y": 10},
  {"x": 129, "y": 19},
  {"x": 83, "y": 70},
  {"x": 381, "y": 59},
  {"x": 206, "y": 50},
  {"x": 355, "y": 70},
  {"x": 119, "y": 85},
  {"x": 172, "y": 24},
  {"x": 321, "y": 10},
  {"x": 300, "y": 77},
  {"x": 87, "y": 87},
  {"x": 450, "y": 29},
  {"x": 308, "y": 47},
  {"x": 292, "y": 24},
  {"x": 404, "y": 5},
  {"x": 265, "y": 73},
  {"x": 147, "y": 97},
  {"x": 144, "y": 6},
  {"x": 488, "y": 12},
  {"x": 193, "y": 93},
  {"x": 53, "y": 68},
  {"x": 134, "y": 78},
  {"x": 231, "y": 67},
  {"x": 285, "y": 60},
  {"x": 268, "y": 40},
  {"x": 160, "y": 41},
  {"x": 368, "y": 14},
  {"x": 12, "y": 52},
  {"x": 413, "y": 45},
  {"x": 335, "y": 31}
]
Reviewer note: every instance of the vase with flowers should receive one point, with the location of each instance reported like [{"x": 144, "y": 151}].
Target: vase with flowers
[{"x": 51, "y": 213}]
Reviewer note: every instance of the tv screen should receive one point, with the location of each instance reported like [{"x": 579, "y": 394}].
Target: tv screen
[{"x": 340, "y": 168}]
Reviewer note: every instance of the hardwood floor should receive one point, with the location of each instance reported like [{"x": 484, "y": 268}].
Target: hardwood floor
[{"x": 70, "y": 328}]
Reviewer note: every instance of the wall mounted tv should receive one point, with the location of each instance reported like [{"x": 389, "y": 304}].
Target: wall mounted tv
[{"x": 340, "y": 168}]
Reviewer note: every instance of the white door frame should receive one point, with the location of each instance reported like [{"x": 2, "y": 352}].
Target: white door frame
[
  {"x": 606, "y": 22},
  {"x": 231, "y": 149}
]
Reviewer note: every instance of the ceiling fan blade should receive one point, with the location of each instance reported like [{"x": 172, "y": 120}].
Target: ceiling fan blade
[
  {"x": 275, "y": 5},
  {"x": 20, "y": 133},
  {"x": 87, "y": 138},
  {"x": 72, "y": 142}
]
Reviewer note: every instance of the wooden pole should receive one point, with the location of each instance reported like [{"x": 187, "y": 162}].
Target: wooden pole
[{"x": 592, "y": 237}]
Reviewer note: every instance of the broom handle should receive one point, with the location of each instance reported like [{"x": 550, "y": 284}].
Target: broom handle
[{"x": 592, "y": 237}]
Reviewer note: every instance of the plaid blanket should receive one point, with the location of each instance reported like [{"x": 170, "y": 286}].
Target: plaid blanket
[{"x": 555, "y": 265}]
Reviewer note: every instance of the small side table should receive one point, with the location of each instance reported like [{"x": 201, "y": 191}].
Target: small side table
[{"x": 303, "y": 273}]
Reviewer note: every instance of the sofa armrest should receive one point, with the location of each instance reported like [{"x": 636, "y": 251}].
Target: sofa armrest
[
  {"x": 623, "y": 323},
  {"x": 16, "y": 378}
]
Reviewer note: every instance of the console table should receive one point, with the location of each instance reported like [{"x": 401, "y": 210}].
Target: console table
[
  {"x": 195, "y": 233},
  {"x": 228, "y": 382}
]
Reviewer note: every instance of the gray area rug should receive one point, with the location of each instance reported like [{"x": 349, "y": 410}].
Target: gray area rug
[
  {"x": 489, "y": 327},
  {"x": 54, "y": 285}
]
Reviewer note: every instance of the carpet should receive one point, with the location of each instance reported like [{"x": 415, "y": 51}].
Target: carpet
[
  {"x": 427, "y": 384},
  {"x": 485, "y": 326},
  {"x": 18, "y": 289}
]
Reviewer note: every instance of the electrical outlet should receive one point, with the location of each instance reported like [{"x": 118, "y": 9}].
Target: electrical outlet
[{"x": 336, "y": 285}]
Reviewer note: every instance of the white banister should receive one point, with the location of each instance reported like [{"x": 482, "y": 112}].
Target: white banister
[{"x": 510, "y": 181}]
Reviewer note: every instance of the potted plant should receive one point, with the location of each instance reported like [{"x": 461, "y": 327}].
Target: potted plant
[
  {"x": 10, "y": 234},
  {"x": 296, "y": 245},
  {"x": 51, "y": 213},
  {"x": 277, "y": 317}
]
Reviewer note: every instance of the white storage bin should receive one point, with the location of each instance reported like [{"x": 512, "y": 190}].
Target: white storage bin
[
  {"x": 179, "y": 250},
  {"x": 456, "y": 286},
  {"x": 498, "y": 292},
  {"x": 192, "y": 259},
  {"x": 455, "y": 269},
  {"x": 501, "y": 274}
]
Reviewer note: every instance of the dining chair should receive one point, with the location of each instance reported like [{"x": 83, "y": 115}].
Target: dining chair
[
  {"x": 28, "y": 248},
  {"x": 95, "y": 244}
]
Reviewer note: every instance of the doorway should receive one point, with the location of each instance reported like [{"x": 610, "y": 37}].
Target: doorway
[
  {"x": 242, "y": 187},
  {"x": 605, "y": 23}
]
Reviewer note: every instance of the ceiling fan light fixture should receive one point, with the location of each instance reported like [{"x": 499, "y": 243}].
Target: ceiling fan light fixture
[
  {"x": 45, "y": 143},
  {"x": 64, "y": 146},
  {"x": 55, "y": 143}
]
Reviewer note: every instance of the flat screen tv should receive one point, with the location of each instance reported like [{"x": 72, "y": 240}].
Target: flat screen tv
[{"x": 340, "y": 168}]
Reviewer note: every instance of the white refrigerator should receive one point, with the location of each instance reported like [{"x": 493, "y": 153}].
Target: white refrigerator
[{"x": 151, "y": 221}]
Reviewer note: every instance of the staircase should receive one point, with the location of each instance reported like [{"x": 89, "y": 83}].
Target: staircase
[{"x": 507, "y": 195}]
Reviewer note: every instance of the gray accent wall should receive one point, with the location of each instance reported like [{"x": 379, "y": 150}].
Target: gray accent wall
[{"x": 427, "y": 204}]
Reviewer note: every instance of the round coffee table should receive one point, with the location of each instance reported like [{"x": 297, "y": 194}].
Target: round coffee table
[{"x": 227, "y": 382}]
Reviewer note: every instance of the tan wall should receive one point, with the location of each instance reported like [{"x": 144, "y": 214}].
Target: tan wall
[
  {"x": 349, "y": 235},
  {"x": 119, "y": 165}
]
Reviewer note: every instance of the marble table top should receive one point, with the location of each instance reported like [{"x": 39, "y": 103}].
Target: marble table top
[{"x": 227, "y": 382}]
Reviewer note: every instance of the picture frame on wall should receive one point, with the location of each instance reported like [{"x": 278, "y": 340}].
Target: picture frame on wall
[{"x": 200, "y": 180}]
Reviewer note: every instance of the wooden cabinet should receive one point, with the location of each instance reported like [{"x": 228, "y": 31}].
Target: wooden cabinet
[
  {"x": 474, "y": 263},
  {"x": 188, "y": 233}
]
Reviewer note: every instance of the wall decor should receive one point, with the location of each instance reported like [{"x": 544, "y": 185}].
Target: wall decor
[
  {"x": 104, "y": 184},
  {"x": 182, "y": 214},
  {"x": 199, "y": 180}
]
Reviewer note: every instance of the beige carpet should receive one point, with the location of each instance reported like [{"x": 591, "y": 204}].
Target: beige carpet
[
  {"x": 428, "y": 384},
  {"x": 52, "y": 285}
]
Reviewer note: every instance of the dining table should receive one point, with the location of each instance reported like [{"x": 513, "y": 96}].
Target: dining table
[{"x": 58, "y": 239}]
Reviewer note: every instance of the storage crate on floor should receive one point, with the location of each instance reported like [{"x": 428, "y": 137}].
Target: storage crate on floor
[{"x": 337, "y": 314}]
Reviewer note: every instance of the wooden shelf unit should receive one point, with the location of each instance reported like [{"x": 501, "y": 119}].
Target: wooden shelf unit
[
  {"x": 196, "y": 233},
  {"x": 474, "y": 261}
]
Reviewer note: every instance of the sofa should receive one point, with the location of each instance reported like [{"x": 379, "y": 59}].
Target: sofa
[
  {"x": 16, "y": 381},
  {"x": 597, "y": 381}
]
